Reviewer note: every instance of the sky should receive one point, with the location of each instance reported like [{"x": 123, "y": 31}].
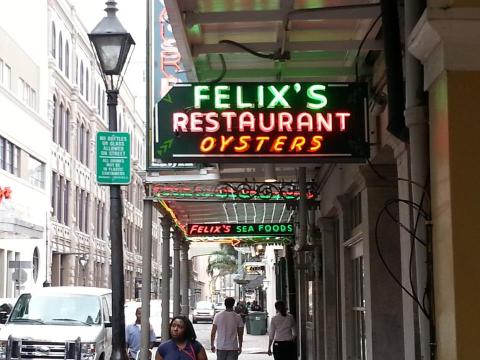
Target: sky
[{"x": 132, "y": 15}]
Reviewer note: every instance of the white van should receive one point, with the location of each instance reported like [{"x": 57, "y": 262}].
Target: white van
[{"x": 59, "y": 323}]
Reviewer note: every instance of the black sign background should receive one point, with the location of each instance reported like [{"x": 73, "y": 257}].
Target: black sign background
[{"x": 347, "y": 146}]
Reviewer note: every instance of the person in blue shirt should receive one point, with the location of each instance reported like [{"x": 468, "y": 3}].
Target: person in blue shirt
[
  {"x": 182, "y": 344},
  {"x": 133, "y": 336}
]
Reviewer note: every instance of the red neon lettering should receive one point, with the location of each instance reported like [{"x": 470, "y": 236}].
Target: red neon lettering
[
  {"x": 246, "y": 119},
  {"x": 297, "y": 143},
  {"x": 207, "y": 144},
  {"x": 304, "y": 120},
  {"x": 316, "y": 143},
  {"x": 229, "y": 115},
  {"x": 194, "y": 229},
  {"x": 278, "y": 144},
  {"x": 261, "y": 122},
  {"x": 342, "y": 116},
  {"x": 227, "y": 228},
  {"x": 323, "y": 124},
  {"x": 224, "y": 142},
  {"x": 244, "y": 143},
  {"x": 260, "y": 141},
  {"x": 180, "y": 122},
  {"x": 285, "y": 121},
  {"x": 196, "y": 122},
  {"x": 212, "y": 120}
]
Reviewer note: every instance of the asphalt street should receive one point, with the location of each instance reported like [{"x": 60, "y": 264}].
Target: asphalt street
[{"x": 254, "y": 346}]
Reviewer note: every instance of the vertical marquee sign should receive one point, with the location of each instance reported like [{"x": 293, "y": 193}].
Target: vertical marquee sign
[{"x": 284, "y": 122}]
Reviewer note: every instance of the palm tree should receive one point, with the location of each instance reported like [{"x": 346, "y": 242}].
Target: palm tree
[
  {"x": 221, "y": 263},
  {"x": 224, "y": 261}
]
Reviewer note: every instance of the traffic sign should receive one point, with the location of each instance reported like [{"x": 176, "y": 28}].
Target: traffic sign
[{"x": 113, "y": 158}]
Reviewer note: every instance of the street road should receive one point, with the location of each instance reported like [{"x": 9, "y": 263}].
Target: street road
[{"x": 254, "y": 346}]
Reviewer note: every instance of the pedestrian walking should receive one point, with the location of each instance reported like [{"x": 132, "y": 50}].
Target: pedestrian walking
[
  {"x": 183, "y": 344},
  {"x": 282, "y": 334},
  {"x": 228, "y": 329},
  {"x": 255, "y": 306},
  {"x": 133, "y": 336},
  {"x": 241, "y": 309}
]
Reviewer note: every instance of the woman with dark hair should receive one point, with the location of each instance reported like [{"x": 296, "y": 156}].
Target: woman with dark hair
[
  {"x": 183, "y": 344},
  {"x": 282, "y": 334}
]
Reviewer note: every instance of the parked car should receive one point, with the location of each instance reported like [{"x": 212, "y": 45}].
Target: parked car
[
  {"x": 59, "y": 323},
  {"x": 6, "y": 305},
  {"x": 219, "y": 307},
  {"x": 204, "y": 310}
]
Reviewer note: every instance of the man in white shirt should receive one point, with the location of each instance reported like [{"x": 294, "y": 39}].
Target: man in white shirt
[{"x": 229, "y": 326}]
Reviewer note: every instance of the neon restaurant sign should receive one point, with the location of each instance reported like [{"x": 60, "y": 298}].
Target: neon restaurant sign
[
  {"x": 253, "y": 229},
  {"x": 286, "y": 122}
]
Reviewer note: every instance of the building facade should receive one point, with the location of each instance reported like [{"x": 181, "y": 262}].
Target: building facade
[
  {"x": 24, "y": 151},
  {"x": 79, "y": 243}
]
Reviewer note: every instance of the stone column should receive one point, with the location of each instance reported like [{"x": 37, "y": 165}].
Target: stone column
[
  {"x": 383, "y": 297},
  {"x": 184, "y": 277},
  {"x": 329, "y": 263},
  {"x": 318, "y": 300},
  {"x": 445, "y": 40},
  {"x": 166, "y": 234},
  {"x": 177, "y": 240}
]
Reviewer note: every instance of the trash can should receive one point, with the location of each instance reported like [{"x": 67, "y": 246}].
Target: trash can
[{"x": 257, "y": 323}]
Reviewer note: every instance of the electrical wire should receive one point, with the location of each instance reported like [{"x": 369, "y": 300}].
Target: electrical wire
[
  {"x": 363, "y": 42},
  {"x": 224, "y": 71},
  {"x": 423, "y": 188},
  {"x": 247, "y": 49},
  {"x": 387, "y": 267}
]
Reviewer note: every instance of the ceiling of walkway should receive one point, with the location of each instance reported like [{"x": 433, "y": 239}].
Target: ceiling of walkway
[{"x": 310, "y": 40}]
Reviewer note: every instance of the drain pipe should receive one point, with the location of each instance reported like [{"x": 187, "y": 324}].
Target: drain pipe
[
  {"x": 302, "y": 209},
  {"x": 393, "y": 61},
  {"x": 417, "y": 122}
]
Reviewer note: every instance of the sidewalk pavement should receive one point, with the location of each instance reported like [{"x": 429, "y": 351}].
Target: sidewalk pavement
[{"x": 254, "y": 348}]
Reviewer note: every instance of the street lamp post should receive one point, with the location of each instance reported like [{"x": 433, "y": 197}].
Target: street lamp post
[
  {"x": 112, "y": 45},
  {"x": 83, "y": 260}
]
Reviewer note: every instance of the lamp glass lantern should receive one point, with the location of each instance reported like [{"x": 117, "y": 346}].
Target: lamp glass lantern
[{"x": 112, "y": 44}]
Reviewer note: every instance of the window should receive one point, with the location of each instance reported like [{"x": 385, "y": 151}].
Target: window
[
  {"x": 81, "y": 142},
  {"x": 54, "y": 194},
  {"x": 66, "y": 129},
  {"x": 27, "y": 94},
  {"x": 67, "y": 59},
  {"x": 9, "y": 157},
  {"x": 81, "y": 77},
  {"x": 54, "y": 121},
  {"x": 5, "y": 75},
  {"x": 60, "y": 125},
  {"x": 87, "y": 148},
  {"x": 60, "y": 50},
  {"x": 99, "y": 99},
  {"x": 87, "y": 85},
  {"x": 36, "y": 171},
  {"x": 53, "y": 50},
  {"x": 2, "y": 152},
  {"x": 59, "y": 210},
  {"x": 355, "y": 210},
  {"x": 66, "y": 202},
  {"x": 35, "y": 264},
  {"x": 79, "y": 212},
  {"x": 87, "y": 203},
  {"x": 76, "y": 71},
  {"x": 359, "y": 331}
]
